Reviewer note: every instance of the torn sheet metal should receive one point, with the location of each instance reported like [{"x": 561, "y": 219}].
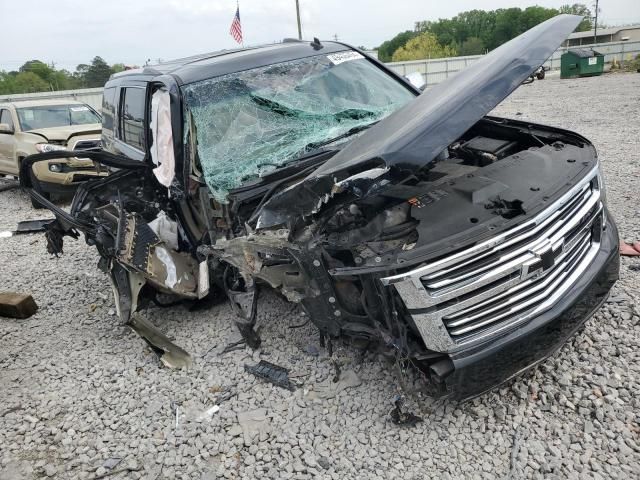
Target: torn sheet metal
[
  {"x": 141, "y": 249},
  {"x": 170, "y": 354},
  {"x": 161, "y": 149}
]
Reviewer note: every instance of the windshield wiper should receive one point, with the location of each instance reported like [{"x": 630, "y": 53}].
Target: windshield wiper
[{"x": 352, "y": 131}]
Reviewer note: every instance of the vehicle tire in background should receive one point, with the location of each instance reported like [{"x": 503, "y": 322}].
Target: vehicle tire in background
[{"x": 540, "y": 75}]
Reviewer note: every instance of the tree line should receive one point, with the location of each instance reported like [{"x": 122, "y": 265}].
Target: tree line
[
  {"x": 37, "y": 76},
  {"x": 471, "y": 33}
]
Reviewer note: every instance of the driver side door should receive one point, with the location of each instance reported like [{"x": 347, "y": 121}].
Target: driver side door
[{"x": 8, "y": 163}]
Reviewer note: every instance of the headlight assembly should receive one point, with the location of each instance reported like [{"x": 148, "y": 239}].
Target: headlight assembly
[{"x": 48, "y": 147}]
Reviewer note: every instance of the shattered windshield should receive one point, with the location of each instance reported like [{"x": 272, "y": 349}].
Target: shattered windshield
[{"x": 249, "y": 123}]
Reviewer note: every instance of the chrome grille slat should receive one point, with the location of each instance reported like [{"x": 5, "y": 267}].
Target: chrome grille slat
[
  {"x": 512, "y": 293},
  {"x": 502, "y": 282},
  {"x": 520, "y": 299}
]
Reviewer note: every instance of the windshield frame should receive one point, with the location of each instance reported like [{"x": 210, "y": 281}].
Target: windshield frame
[{"x": 68, "y": 106}]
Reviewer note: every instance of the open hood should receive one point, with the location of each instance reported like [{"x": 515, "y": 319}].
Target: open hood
[{"x": 414, "y": 135}]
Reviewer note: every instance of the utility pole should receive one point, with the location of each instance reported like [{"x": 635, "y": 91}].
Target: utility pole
[
  {"x": 595, "y": 27},
  {"x": 298, "y": 16}
]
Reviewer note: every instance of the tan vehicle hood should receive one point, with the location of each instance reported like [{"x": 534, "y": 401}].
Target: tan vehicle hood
[{"x": 64, "y": 133}]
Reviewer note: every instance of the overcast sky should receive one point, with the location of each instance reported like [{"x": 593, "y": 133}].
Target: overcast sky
[{"x": 70, "y": 32}]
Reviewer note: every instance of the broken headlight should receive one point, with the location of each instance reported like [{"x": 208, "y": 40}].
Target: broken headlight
[{"x": 48, "y": 147}]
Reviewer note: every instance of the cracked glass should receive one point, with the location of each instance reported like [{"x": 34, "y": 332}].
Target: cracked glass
[{"x": 252, "y": 122}]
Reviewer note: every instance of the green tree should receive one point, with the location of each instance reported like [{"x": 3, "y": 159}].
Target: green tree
[
  {"x": 96, "y": 74},
  {"x": 387, "y": 49},
  {"x": 29, "y": 82},
  {"x": 117, "y": 67},
  {"x": 425, "y": 45},
  {"x": 472, "y": 46},
  {"x": 579, "y": 9}
]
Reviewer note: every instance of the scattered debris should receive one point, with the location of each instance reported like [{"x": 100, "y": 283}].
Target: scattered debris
[
  {"x": 401, "y": 417},
  {"x": 8, "y": 184},
  {"x": 330, "y": 388},
  {"x": 233, "y": 346},
  {"x": 6, "y": 234},
  {"x": 311, "y": 349},
  {"x": 33, "y": 226},
  {"x": 275, "y": 374},
  {"x": 255, "y": 425},
  {"x": 17, "y": 305},
  {"x": 630, "y": 250},
  {"x": 208, "y": 413},
  {"x": 514, "y": 452},
  {"x": 110, "y": 463},
  {"x": 116, "y": 472},
  {"x": 176, "y": 408},
  {"x": 170, "y": 354}
]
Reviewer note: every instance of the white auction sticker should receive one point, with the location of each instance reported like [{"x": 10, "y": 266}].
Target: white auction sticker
[
  {"x": 338, "y": 58},
  {"x": 79, "y": 109}
]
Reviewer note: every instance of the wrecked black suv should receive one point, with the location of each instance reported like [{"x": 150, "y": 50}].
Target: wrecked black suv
[{"x": 467, "y": 246}]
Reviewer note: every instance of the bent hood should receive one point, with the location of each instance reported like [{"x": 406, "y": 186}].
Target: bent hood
[
  {"x": 414, "y": 135},
  {"x": 63, "y": 134}
]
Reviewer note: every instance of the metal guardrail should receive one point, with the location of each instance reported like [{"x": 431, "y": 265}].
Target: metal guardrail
[
  {"x": 433, "y": 70},
  {"x": 436, "y": 70},
  {"x": 90, "y": 96}
]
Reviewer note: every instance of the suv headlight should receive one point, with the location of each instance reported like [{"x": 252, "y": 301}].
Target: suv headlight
[{"x": 48, "y": 147}]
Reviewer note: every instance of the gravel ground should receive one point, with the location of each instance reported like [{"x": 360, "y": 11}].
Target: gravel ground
[{"x": 82, "y": 396}]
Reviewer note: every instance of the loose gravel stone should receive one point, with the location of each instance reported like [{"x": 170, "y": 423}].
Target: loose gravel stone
[{"x": 78, "y": 388}]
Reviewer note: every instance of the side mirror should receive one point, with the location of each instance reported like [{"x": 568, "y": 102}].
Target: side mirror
[
  {"x": 6, "y": 128},
  {"x": 417, "y": 80}
]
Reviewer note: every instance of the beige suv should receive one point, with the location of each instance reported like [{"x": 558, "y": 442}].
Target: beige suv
[{"x": 37, "y": 126}]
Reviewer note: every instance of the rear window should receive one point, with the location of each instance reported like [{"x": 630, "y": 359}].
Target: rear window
[
  {"x": 34, "y": 118},
  {"x": 132, "y": 117}
]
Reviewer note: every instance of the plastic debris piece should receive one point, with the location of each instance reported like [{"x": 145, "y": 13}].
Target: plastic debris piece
[
  {"x": 208, "y": 413},
  {"x": 279, "y": 376},
  {"x": 33, "y": 226},
  {"x": 401, "y": 417},
  {"x": 630, "y": 250}
]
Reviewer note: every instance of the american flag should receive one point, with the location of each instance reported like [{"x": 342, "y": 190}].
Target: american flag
[{"x": 236, "y": 29}]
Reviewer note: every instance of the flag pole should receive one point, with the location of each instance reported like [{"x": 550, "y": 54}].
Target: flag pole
[
  {"x": 298, "y": 16},
  {"x": 238, "y": 7}
]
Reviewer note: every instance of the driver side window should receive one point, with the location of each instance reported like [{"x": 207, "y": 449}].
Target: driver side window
[{"x": 5, "y": 117}]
